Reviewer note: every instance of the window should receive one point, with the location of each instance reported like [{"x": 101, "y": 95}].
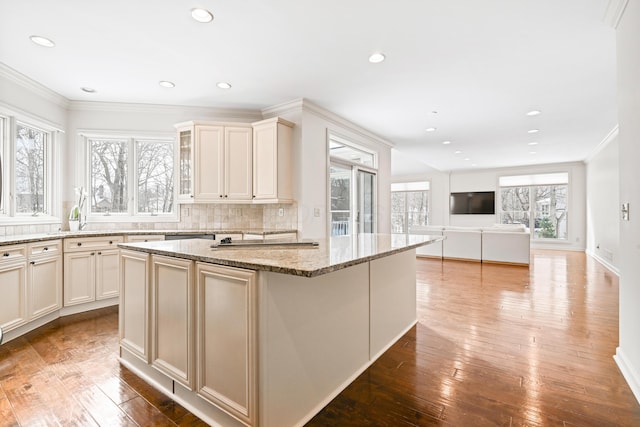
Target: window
[
  {"x": 543, "y": 197},
  {"x": 130, "y": 177},
  {"x": 25, "y": 170},
  {"x": 409, "y": 206}
]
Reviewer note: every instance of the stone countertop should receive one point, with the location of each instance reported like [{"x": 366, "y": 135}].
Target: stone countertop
[
  {"x": 330, "y": 255},
  {"x": 31, "y": 238}
]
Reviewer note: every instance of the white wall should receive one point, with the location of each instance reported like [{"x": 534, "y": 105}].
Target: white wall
[
  {"x": 487, "y": 180},
  {"x": 603, "y": 217},
  {"x": 311, "y": 164},
  {"x": 628, "y": 61}
]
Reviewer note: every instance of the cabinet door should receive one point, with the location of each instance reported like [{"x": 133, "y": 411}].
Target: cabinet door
[
  {"x": 209, "y": 163},
  {"x": 107, "y": 273},
  {"x": 172, "y": 329},
  {"x": 238, "y": 163},
  {"x": 134, "y": 303},
  {"x": 79, "y": 277},
  {"x": 265, "y": 162},
  {"x": 13, "y": 295},
  {"x": 45, "y": 286},
  {"x": 226, "y": 339},
  {"x": 185, "y": 163}
]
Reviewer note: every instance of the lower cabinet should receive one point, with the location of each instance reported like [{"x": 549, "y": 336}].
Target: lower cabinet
[
  {"x": 134, "y": 303},
  {"x": 91, "y": 269},
  {"x": 226, "y": 339},
  {"x": 13, "y": 287},
  {"x": 44, "y": 278},
  {"x": 172, "y": 314}
]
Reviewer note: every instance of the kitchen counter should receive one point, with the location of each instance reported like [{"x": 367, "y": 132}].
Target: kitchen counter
[
  {"x": 39, "y": 237},
  {"x": 330, "y": 255}
]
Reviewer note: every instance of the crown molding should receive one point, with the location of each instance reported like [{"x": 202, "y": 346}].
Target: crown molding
[
  {"x": 601, "y": 146},
  {"x": 200, "y": 112},
  {"x": 614, "y": 12},
  {"x": 305, "y": 105},
  {"x": 32, "y": 86}
]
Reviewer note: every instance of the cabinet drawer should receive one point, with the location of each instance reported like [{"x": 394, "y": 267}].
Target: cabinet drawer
[
  {"x": 45, "y": 248},
  {"x": 13, "y": 253},
  {"x": 76, "y": 244},
  {"x": 144, "y": 238}
]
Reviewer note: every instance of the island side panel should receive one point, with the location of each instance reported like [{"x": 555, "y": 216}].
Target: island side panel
[
  {"x": 393, "y": 299},
  {"x": 314, "y": 340}
]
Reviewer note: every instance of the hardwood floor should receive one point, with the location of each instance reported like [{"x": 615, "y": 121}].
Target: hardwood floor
[
  {"x": 500, "y": 345},
  {"x": 494, "y": 345}
]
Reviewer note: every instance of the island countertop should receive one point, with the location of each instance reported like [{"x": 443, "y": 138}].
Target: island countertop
[{"x": 330, "y": 255}]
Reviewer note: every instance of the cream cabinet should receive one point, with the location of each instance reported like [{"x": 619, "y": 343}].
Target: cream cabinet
[
  {"x": 172, "y": 318},
  {"x": 272, "y": 164},
  {"x": 134, "y": 308},
  {"x": 91, "y": 269},
  {"x": 226, "y": 342},
  {"x": 44, "y": 278},
  {"x": 13, "y": 286},
  {"x": 214, "y": 162}
]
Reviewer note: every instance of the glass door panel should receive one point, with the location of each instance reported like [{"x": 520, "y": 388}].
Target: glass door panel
[
  {"x": 340, "y": 180},
  {"x": 366, "y": 204}
]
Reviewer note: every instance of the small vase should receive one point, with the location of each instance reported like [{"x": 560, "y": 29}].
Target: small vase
[{"x": 74, "y": 225}]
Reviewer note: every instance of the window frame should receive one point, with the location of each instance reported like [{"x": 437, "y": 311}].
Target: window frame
[
  {"x": 131, "y": 138},
  {"x": 10, "y": 120},
  {"x": 532, "y": 182},
  {"x": 406, "y": 190}
]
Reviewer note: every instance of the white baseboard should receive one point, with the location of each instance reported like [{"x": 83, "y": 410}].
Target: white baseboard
[
  {"x": 631, "y": 375},
  {"x": 604, "y": 262}
]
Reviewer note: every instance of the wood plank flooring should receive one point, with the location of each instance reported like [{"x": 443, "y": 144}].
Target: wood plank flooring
[
  {"x": 494, "y": 345},
  {"x": 500, "y": 345}
]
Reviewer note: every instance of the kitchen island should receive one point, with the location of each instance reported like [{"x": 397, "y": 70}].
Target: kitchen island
[{"x": 263, "y": 336}]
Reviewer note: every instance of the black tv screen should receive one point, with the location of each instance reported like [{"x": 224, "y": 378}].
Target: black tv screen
[{"x": 474, "y": 202}]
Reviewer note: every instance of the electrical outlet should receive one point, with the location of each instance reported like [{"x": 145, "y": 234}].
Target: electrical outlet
[
  {"x": 187, "y": 212},
  {"x": 316, "y": 212},
  {"x": 281, "y": 212}
]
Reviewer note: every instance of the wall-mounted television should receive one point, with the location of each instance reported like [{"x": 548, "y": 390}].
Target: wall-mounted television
[{"x": 473, "y": 202}]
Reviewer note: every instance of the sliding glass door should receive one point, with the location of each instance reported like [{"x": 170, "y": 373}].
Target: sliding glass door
[{"x": 353, "y": 191}]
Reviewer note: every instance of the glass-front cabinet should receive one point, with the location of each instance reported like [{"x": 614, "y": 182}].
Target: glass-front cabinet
[{"x": 185, "y": 159}]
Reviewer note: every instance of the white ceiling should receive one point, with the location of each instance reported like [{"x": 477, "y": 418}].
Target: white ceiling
[{"x": 480, "y": 64}]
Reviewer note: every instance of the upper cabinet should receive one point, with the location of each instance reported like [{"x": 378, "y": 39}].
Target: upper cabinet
[
  {"x": 272, "y": 180},
  {"x": 215, "y": 163},
  {"x": 235, "y": 162}
]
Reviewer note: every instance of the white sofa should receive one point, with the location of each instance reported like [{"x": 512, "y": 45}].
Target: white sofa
[{"x": 501, "y": 243}]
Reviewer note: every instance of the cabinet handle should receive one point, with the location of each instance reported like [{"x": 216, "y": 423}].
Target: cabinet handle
[
  {"x": 191, "y": 196},
  {"x": 79, "y": 243},
  {"x": 226, "y": 195},
  {"x": 221, "y": 196},
  {"x": 99, "y": 253},
  {"x": 45, "y": 248},
  {"x": 6, "y": 254},
  {"x": 32, "y": 262},
  {"x": 253, "y": 197},
  {"x": 93, "y": 253},
  {"x": 111, "y": 242}
]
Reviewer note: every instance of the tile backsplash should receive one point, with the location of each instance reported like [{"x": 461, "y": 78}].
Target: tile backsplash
[{"x": 192, "y": 217}]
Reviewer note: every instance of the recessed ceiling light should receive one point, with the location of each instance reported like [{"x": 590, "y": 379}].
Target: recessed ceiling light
[
  {"x": 201, "y": 15},
  {"x": 42, "y": 41},
  {"x": 165, "y": 83},
  {"x": 532, "y": 152},
  {"x": 533, "y": 130},
  {"x": 532, "y": 143},
  {"x": 376, "y": 58},
  {"x": 457, "y": 152},
  {"x": 446, "y": 142},
  {"x": 430, "y": 129},
  {"x": 534, "y": 112},
  {"x": 467, "y": 159},
  {"x": 88, "y": 89},
  {"x": 474, "y": 164},
  {"x": 223, "y": 85}
]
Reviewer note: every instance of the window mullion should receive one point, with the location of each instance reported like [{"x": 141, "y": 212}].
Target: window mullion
[{"x": 132, "y": 177}]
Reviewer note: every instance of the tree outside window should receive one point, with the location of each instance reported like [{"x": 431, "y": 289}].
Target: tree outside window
[
  {"x": 30, "y": 152},
  {"x": 549, "y": 209},
  {"x": 408, "y": 209},
  {"x": 113, "y": 174}
]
